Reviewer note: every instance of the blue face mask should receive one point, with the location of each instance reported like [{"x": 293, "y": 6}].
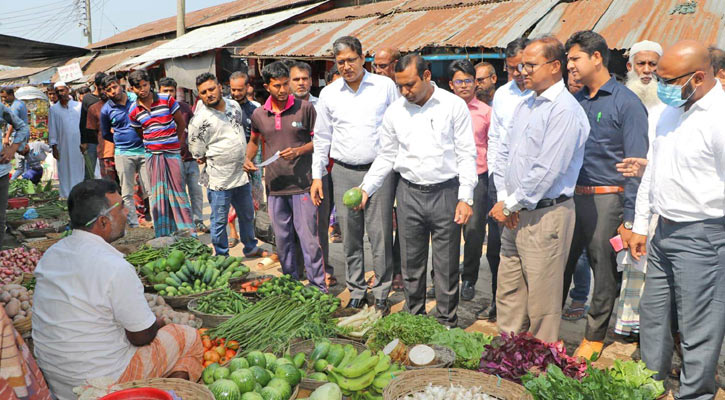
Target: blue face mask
[{"x": 672, "y": 94}]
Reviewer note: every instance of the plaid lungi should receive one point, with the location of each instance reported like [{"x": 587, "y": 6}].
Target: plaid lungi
[{"x": 170, "y": 206}]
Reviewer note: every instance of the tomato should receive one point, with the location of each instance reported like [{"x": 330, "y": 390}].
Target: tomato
[
  {"x": 206, "y": 343},
  {"x": 220, "y": 350},
  {"x": 207, "y": 363},
  {"x": 202, "y": 331},
  {"x": 223, "y": 361},
  {"x": 230, "y": 354},
  {"x": 211, "y": 355},
  {"x": 206, "y": 337},
  {"x": 232, "y": 344}
]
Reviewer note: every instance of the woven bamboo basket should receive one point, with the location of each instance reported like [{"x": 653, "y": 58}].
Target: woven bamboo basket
[
  {"x": 210, "y": 320},
  {"x": 238, "y": 279},
  {"x": 306, "y": 346},
  {"x": 183, "y": 301},
  {"x": 36, "y": 233},
  {"x": 24, "y": 325},
  {"x": 42, "y": 245},
  {"x": 305, "y": 389},
  {"x": 444, "y": 358},
  {"x": 183, "y": 388},
  {"x": 16, "y": 223},
  {"x": 236, "y": 283},
  {"x": 410, "y": 382},
  {"x": 27, "y": 277}
]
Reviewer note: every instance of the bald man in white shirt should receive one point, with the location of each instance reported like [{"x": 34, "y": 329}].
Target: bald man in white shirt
[{"x": 686, "y": 261}]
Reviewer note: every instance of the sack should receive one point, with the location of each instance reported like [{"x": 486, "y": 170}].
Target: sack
[{"x": 263, "y": 225}]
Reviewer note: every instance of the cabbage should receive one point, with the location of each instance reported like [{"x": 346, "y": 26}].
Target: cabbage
[
  {"x": 225, "y": 389},
  {"x": 328, "y": 391}
]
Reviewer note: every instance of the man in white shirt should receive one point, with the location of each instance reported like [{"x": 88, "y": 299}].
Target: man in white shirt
[
  {"x": 427, "y": 138},
  {"x": 687, "y": 252},
  {"x": 64, "y": 136},
  {"x": 505, "y": 101},
  {"x": 349, "y": 112},
  {"x": 90, "y": 316}
]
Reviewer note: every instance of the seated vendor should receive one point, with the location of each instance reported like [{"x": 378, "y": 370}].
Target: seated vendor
[
  {"x": 30, "y": 161},
  {"x": 90, "y": 317}
]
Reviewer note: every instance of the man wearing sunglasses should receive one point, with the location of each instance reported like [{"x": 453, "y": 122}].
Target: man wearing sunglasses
[
  {"x": 385, "y": 61},
  {"x": 485, "y": 82},
  {"x": 683, "y": 183},
  {"x": 604, "y": 197},
  {"x": 537, "y": 169},
  {"x": 89, "y": 300}
]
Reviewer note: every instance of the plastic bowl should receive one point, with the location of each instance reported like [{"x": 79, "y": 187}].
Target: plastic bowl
[
  {"x": 18, "y": 202},
  {"x": 138, "y": 394}
]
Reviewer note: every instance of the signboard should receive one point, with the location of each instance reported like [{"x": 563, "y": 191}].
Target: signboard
[{"x": 70, "y": 72}]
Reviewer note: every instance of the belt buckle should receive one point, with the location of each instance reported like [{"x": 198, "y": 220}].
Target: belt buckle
[{"x": 426, "y": 188}]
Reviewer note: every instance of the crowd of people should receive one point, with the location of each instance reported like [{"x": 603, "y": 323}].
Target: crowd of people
[{"x": 564, "y": 172}]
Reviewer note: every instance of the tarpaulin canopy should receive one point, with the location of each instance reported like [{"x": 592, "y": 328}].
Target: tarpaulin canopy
[{"x": 21, "y": 52}]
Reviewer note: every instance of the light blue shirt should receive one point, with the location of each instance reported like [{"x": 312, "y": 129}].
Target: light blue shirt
[
  {"x": 21, "y": 134},
  {"x": 541, "y": 156},
  {"x": 18, "y": 107}
]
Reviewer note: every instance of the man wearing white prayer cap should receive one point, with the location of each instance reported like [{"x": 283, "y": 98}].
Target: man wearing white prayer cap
[
  {"x": 643, "y": 59},
  {"x": 64, "y": 136}
]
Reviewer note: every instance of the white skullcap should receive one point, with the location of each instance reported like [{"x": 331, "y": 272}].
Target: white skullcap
[
  {"x": 645, "y": 45},
  {"x": 59, "y": 84}
]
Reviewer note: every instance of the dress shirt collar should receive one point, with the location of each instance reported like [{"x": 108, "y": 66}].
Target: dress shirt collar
[
  {"x": 290, "y": 103},
  {"x": 514, "y": 88},
  {"x": 435, "y": 96},
  {"x": 552, "y": 92},
  {"x": 608, "y": 87},
  {"x": 708, "y": 100},
  {"x": 365, "y": 80}
]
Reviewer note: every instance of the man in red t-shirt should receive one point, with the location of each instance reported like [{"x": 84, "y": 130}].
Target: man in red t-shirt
[{"x": 285, "y": 125}]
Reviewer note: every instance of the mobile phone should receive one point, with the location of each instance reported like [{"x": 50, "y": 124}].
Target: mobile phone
[{"x": 616, "y": 243}]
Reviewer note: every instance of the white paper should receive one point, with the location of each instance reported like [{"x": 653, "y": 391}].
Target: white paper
[{"x": 268, "y": 161}]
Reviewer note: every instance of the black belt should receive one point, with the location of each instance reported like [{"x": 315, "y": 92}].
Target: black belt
[
  {"x": 362, "y": 167},
  {"x": 431, "y": 188},
  {"x": 543, "y": 203}
]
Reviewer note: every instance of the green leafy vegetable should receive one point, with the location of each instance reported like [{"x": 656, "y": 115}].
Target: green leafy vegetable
[
  {"x": 410, "y": 329},
  {"x": 468, "y": 346},
  {"x": 636, "y": 374}
]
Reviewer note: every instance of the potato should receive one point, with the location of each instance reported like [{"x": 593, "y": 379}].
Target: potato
[
  {"x": 18, "y": 318},
  {"x": 24, "y": 297},
  {"x": 25, "y": 305},
  {"x": 12, "y": 308},
  {"x": 15, "y": 293},
  {"x": 5, "y": 296}
]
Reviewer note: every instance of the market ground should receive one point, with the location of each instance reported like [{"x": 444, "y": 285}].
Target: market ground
[{"x": 570, "y": 332}]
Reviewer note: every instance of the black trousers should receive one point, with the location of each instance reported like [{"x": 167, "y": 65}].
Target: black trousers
[
  {"x": 493, "y": 246},
  {"x": 474, "y": 232}
]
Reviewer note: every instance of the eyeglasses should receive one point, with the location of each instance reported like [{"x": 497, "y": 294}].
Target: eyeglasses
[
  {"x": 529, "y": 67},
  {"x": 380, "y": 66},
  {"x": 670, "y": 81},
  {"x": 460, "y": 82},
  {"x": 103, "y": 213},
  {"x": 481, "y": 80},
  {"x": 350, "y": 61}
]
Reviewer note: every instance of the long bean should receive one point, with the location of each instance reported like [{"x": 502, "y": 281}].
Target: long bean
[{"x": 224, "y": 302}]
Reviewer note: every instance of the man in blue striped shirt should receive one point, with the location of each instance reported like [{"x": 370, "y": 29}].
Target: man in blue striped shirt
[{"x": 6, "y": 154}]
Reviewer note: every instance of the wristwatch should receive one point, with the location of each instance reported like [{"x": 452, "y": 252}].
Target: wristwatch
[
  {"x": 468, "y": 201},
  {"x": 506, "y": 212},
  {"x": 628, "y": 225}
]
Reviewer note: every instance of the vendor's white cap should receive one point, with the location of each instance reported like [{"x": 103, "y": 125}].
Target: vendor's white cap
[
  {"x": 59, "y": 84},
  {"x": 645, "y": 45}
]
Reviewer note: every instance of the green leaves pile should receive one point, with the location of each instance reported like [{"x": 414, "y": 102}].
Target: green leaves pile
[
  {"x": 468, "y": 346},
  {"x": 410, "y": 329},
  {"x": 626, "y": 380}
]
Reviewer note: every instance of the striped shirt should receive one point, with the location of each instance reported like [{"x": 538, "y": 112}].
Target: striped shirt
[{"x": 159, "y": 128}]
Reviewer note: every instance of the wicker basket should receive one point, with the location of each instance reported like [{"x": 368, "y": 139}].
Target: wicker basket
[
  {"x": 183, "y": 301},
  {"x": 410, "y": 382},
  {"x": 24, "y": 325},
  {"x": 42, "y": 245},
  {"x": 444, "y": 358},
  {"x": 210, "y": 320},
  {"x": 183, "y": 388},
  {"x": 307, "y": 346},
  {"x": 238, "y": 279},
  {"x": 27, "y": 277},
  {"x": 236, "y": 284},
  {"x": 305, "y": 388}
]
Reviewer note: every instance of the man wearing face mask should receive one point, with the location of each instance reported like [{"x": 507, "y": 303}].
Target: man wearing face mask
[
  {"x": 686, "y": 189},
  {"x": 604, "y": 198}
]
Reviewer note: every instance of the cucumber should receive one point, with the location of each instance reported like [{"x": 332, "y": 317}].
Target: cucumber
[
  {"x": 214, "y": 276},
  {"x": 180, "y": 274},
  {"x": 172, "y": 282},
  {"x": 335, "y": 355},
  {"x": 160, "y": 286},
  {"x": 207, "y": 275},
  {"x": 229, "y": 261}
]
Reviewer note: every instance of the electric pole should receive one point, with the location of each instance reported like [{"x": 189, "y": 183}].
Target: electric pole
[
  {"x": 89, "y": 31},
  {"x": 180, "y": 17}
]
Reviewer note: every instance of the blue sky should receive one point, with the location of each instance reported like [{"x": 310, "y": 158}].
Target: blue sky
[{"x": 55, "y": 20}]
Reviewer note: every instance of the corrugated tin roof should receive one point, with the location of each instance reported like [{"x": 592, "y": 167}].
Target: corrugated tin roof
[
  {"x": 482, "y": 24},
  {"x": 17, "y": 73},
  {"x": 105, "y": 62},
  {"x": 195, "y": 19},
  {"x": 625, "y": 22},
  {"x": 215, "y": 36}
]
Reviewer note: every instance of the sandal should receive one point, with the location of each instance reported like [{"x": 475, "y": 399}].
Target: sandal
[
  {"x": 233, "y": 242},
  {"x": 257, "y": 253},
  {"x": 398, "y": 282},
  {"x": 330, "y": 280},
  {"x": 575, "y": 313}
]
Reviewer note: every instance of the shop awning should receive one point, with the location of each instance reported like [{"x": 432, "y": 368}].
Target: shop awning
[
  {"x": 405, "y": 25},
  {"x": 21, "y": 52},
  {"x": 217, "y": 36}
]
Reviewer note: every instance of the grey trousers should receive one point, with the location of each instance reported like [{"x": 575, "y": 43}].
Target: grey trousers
[
  {"x": 323, "y": 224},
  {"x": 475, "y": 231},
  {"x": 377, "y": 220},
  {"x": 190, "y": 172},
  {"x": 127, "y": 167},
  {"x": 424, "y": 216},
  {"x": 597, "y": 220},
  {"x": 685, "y": 272}
]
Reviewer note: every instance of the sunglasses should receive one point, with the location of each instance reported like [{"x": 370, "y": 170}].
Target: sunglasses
[{"x": 103, "y": 213}]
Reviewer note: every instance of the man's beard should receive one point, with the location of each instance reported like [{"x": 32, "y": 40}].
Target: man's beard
[
  {"x": 485, "y": 94},
  {"x": 646, "y": 92},
  {"x": 301, "y": 96}
]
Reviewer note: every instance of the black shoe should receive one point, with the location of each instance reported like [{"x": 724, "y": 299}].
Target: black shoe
[
  {"x": 468, "y": 291},
  {"x": 488, "y": 313},
  {"x": 383, "y": 306},
  {"x": 357, "y": 303}
]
